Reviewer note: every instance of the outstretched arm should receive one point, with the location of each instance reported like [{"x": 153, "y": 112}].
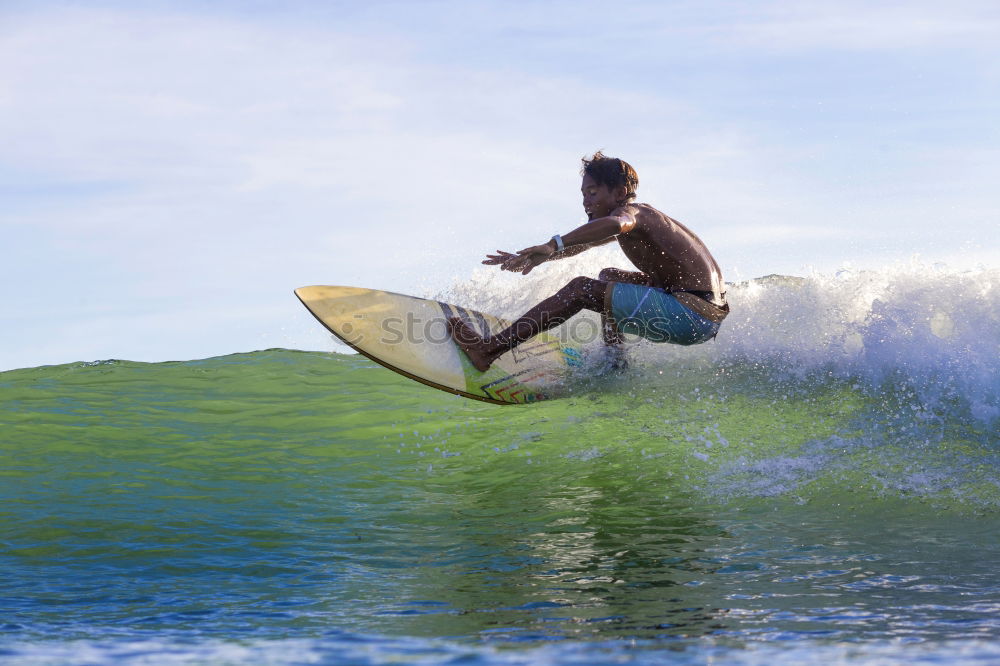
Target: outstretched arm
[
  {"x": 500, "y": 257},
  {"x": 596, "y": 232}
]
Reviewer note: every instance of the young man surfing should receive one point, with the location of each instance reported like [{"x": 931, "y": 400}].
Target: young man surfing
[{"x": 676, "y": 296}]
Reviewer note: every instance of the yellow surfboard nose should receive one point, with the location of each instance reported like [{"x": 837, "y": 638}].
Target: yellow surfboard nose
[{"x": 410, "y": 336}]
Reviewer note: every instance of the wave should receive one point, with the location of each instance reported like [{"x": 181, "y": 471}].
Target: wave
[{"x": 928, "y": 330}]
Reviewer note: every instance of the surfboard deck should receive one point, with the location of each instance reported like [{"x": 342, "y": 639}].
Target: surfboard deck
[{"x": 409, "y": 335}]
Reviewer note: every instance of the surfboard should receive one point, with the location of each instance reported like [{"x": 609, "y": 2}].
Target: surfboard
[{"x": 409, "y": 335}]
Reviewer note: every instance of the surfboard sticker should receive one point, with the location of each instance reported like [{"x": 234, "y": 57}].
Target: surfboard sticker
[{"x": 409, "y": 335}]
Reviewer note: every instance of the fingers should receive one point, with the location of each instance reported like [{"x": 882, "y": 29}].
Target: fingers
[
  {"x": 525, "y": 261},
  {"x": 498, "y": 258},
  {"x": 513, "y": 266},
  {"x": 514, "y": 262},
  {"x": 522, "y": 262}
]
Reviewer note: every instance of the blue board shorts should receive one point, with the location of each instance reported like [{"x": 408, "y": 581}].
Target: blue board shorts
[{"x": 680, "y": 318}]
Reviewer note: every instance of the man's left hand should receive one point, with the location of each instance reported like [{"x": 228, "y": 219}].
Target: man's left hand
[{"x": 528, "y": 258}]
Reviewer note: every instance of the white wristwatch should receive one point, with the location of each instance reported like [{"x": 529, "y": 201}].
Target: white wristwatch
[{"x": 560, "y": 246}]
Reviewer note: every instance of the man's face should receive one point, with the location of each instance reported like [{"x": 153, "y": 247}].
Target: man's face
[{"x": 598, "y": 199}]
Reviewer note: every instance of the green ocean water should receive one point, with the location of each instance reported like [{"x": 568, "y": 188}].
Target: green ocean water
[{"x": 303, "y": 507}]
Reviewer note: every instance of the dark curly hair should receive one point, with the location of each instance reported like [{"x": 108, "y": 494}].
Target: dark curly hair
[{"x": 612, "y": 172}]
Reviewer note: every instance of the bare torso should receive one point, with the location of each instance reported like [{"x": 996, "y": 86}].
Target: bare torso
[{"x": 669, "y": 253}]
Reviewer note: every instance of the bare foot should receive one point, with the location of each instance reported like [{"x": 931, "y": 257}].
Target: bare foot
[
  {"x": 610, "y": 359},
  {"x": 469, "y": 342},
  {"x": 618, "y": 358}
]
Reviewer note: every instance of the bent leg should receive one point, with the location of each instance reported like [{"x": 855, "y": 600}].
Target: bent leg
[{"x": 581, "y": 293}]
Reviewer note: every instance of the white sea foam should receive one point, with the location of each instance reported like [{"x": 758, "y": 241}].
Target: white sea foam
[
  {"x": 927, "y": 329},
  {"x": 934, "y": 331}
]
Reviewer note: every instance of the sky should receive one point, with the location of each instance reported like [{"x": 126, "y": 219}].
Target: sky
[{"x": 171, "y": 171}]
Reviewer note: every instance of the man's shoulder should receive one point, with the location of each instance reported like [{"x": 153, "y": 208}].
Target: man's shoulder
[{"x": 643, "y": 213}]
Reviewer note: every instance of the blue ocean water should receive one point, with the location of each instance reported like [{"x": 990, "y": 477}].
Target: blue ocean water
[{"x": 820, "y": 484}]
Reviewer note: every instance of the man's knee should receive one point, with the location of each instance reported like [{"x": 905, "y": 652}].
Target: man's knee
[
  {"x": 580, "y": 283},
  {"x": 608, "y": 275},
  {"x": 584, "y": 291}
]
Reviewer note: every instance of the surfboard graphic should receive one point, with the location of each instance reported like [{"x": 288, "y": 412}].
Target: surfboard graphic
[{"x": 409, "y": 335}]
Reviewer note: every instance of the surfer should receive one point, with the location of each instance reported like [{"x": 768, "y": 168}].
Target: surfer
[{"x": 676, "y": 295}]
